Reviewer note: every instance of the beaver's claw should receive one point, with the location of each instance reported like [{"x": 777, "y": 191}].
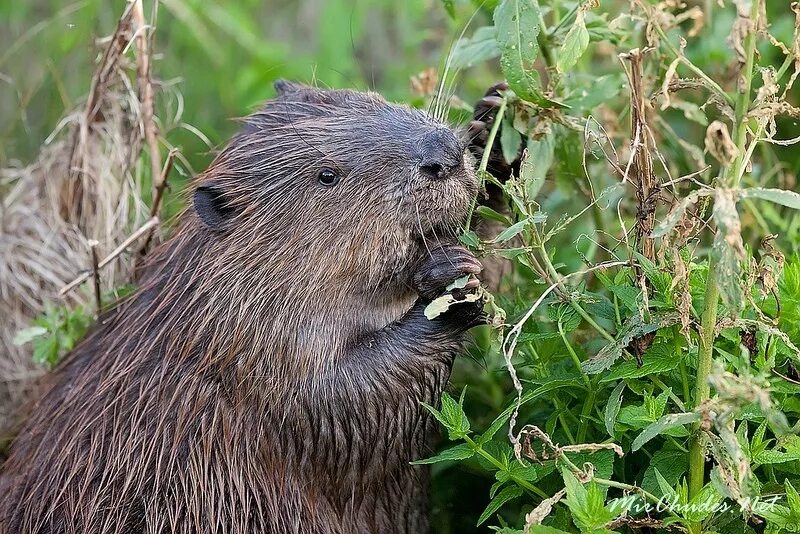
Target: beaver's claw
[
  {"x": 446, "y": 264},
  {"x": 482, "y": 120}
]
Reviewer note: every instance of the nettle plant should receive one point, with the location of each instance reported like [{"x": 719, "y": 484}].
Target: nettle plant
[{"x": 650, "y": 327}]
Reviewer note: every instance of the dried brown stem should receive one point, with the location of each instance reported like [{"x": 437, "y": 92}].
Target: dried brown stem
[
  {"x": 161, "y": 185},
  {"x": 143, "y": 69},
  {"x": 98, "y": 299},
  {"x": 146, "y": 227},
  {"x": 641, "y": 172},
  {"x": 71, "y": 196}
]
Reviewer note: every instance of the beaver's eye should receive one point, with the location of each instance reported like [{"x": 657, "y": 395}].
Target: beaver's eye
[{"x": 328, "y": 177}]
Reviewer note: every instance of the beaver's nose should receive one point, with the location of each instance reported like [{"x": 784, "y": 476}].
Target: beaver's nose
[{"x": 439, "y": 152}]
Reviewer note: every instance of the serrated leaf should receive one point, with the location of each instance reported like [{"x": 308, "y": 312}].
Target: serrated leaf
[
  {"x": 544, "y": 529},
  {"x": 508, "y": 493},
  {"x": 633, "y": 328},
  {"x": 494, "y": 427},
  {"x": 586, "y": 504},
  {"x": 575, "y": 44},
  {"x": 666, "y": 422},
  {"x": 612, "y": 408},
  {"x": 792, "y": 497},
  {"x": 703, "y": 504},
  {"x": 459, "y": 452},
  {"x": 46, "y": 350},
  {"x": 666, "y": 488},
  {"x": 670, "y": 464},
  {"x": 659, "y": 358},
  {"x": 456, "y": 419}
]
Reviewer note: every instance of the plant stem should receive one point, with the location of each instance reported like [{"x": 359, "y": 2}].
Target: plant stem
[
  {"x": 551, "y": 270},
  {"x": 585, "y": 412},
  {"x": 692, "y": 67},
  {"x": 702, "y": 389},
  {"x": 575, "y": 359},
  {"x": 499, "y": 465},
  {"x": 708, "y": 321},
  {"x": 501, "y": 111}
]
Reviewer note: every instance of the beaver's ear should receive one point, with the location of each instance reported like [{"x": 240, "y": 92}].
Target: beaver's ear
[
  {"x": 214, "y": 210},
  {"x": 294, "y": 92},
  {"x": 285, "y": 87}
]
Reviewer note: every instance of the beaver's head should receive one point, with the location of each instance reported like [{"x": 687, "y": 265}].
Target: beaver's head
[{"x": 357, "y": 182}]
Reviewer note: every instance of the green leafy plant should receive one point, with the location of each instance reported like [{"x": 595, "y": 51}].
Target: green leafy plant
[{"x": 651, "y": 321}]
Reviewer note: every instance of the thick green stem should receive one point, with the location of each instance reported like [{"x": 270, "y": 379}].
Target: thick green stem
[
  {"x": 702, "y": 389},
  {"x": 708, "y": 322}
]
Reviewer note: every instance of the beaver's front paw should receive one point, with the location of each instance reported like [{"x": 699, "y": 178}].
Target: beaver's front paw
[
  {"x": 446, "y": 264},
  {"x": 482, "y": 120}
]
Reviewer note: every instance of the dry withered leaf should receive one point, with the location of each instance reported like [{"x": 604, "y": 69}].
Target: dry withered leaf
[
  {"x": 770, "y": 265},
  {"x": 719, "y": 143},
  {"x": 681, "y": 293},
  {"x": 538, "y": 514},
  {"x": 424, "y": 84}
]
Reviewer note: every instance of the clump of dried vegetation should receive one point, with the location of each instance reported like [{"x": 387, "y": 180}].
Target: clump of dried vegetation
[{"x": 71, "y": 207}]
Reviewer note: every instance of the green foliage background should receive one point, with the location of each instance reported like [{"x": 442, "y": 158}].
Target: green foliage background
[{"x": 571, "y": 108}]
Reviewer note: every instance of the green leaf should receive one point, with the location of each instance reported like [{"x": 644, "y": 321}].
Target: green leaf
[
  {"x": 666, "y": 488},
  {"x": 510, "y": 140},
  {"x": 470, "y": 239},
  {"x": 601, "y": 90},
  {"x": 574, "y": 45},
  {"x": 450, "y": 7},
  {"x": 494, "y": 427},
  {"x": 481, "y": 47},
  {"x": 490, "y": 214},
  {"x": 703, "y": 504},
  {"x": 666, "y": 422},
  {"x": 26, "y": 335},
  {"x": 659, "y": 358},
  {"x": 537, "y": 159},
  {"x": 461, "y": 451},
  {"x": 633, "y": 328},
  {"x": 691, "y": 111},
  {"x": 46, "y": 350},
  {"x": 671, "y": 464},
  {"x": 517, "y": 24},
  {"x": 508, "y": 493},
  {"x": 458, "y": 283},
  {"x": 517, "y": 470},
  {"x": 790, "y": 199},
  {"x": 792, "y": 497},
  {"x": 544, "y": 529},
  {"x": 612, "y": 408},
  {"x": 512, "y": 231},
  {"x": 585, "y": 503}
]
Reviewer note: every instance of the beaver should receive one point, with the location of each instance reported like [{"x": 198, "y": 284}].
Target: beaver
[{"x": 268, "y": 375}]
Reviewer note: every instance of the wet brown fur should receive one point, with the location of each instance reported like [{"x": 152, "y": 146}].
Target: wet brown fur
[{"x": 267, "y": 375}]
